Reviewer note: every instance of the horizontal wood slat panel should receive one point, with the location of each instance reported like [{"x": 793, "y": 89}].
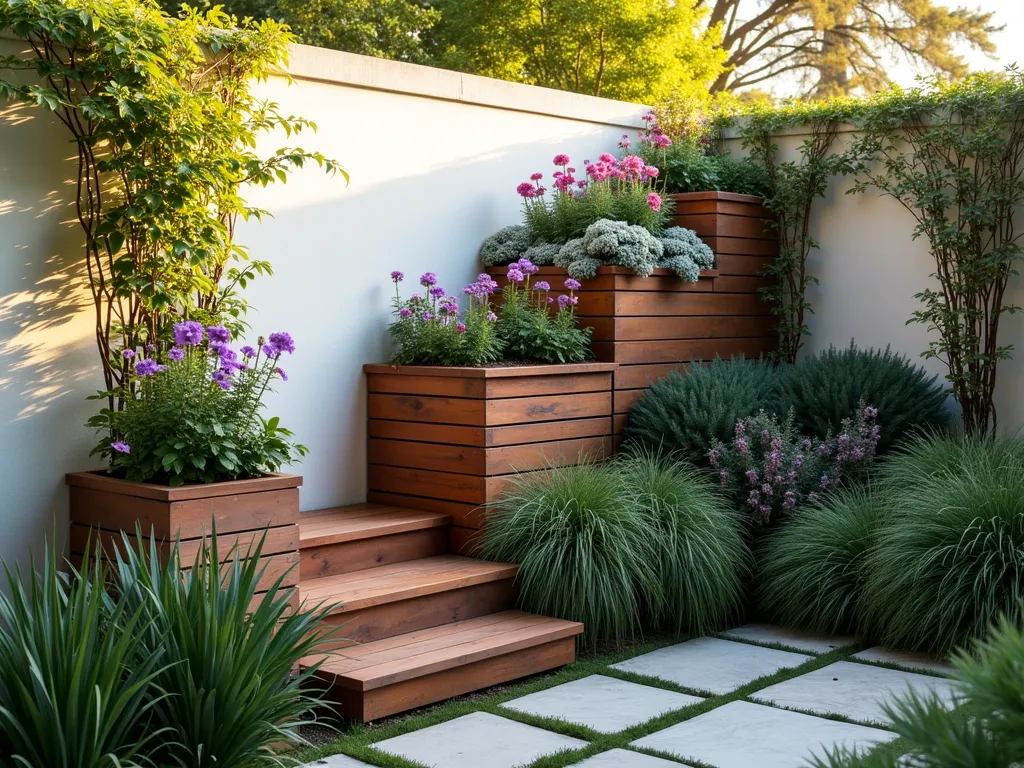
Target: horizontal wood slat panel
[
  {"x": 681, "y": 350},
  {"x": 461, "y": 513},
  {"x": 652, "y": 303},
  {"x": 522, "y": 410},
  {"x": 739, "y": 246},
  {"x": 642, "y": 376},
  {"x": 436, "y": 456},
  {"x": 523, "y": 458},
  {"x": 692, "y": 327},
  {"x": 726, "y": 207},
  {"x": 348, "y": 556},
  {"x": 548, "y": 385},
  {"x": 718, "y": 225},
  {"x": 439, "y": 386},
  {"x": 427, "y": 433},
  {"x": 625, "y": 398},
  {"x": 433, "y": 410},
  {"x": 278, "y": 540},
  {"x": 520, "y": 434}
]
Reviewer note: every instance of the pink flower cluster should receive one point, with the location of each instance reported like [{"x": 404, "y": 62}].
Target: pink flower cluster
[
  {"x": 653, "y": 134},
  {"x": 631, "y": 169}
]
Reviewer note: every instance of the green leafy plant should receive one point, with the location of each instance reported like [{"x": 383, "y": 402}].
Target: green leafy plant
[
  {"x": 526, "y": 325},
  {"x": 232, "y": 693},
  {"x": 825, "y": 388},
  {"x": 164, "y": 123},
  {"x": 195, "y": 418},
  {"x": 771, "y": 468},
  {"x": 76, "y": 677},
  {"x": 702, "y": 557},
  {"x": 951, "y": 154},
  {"x": 950, "y": 559},
  {"x": 584, "y": 552},
  {"x": 792, "y": 189},
  {"x": 812, "y": 566},
  {"x": 685, "y": 415},
  {"x": 428, "y": 328},
  {"x": 985, "y": 729}
]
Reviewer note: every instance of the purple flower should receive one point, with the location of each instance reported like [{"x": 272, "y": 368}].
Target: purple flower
[
  {"x": 218, "y": 334},
  {"x": 741, "y": 429},
  {"x": 121, "y": 446},
  {"x": 515, "y": 274},
  {"x": 151, "y": 348},
  {"x": 572, "y": 285},
  {"x": 436, "y": 292},
  {"x": 188, "y": 333},
  {"x": 428, "y": 279},
  {"x": 741, "y": 446},
  {"x": 561, "y": 159},
  {"x": 766, "y": 489},
  {"x": 281, "y": 372},
  {"x": 526, "y": 266},
  {"x": 813, "y": 497},
  {"x": 222, "y": 379},
  {"x": 248, "y": 351},
  {"x": 397, "y": 276},
  {"x": 405, "y": 312},
  {"x": 724, "y": 475},
  {"x": 752, "y": 476},
  {"x": 563, "y": 301},
  {"x": 541, "y": 285},
  {"x": 427, "y": 316},
  {"x": 870, "y": 412},
  {"x": 491, "y": 317},
  {"x": 460, "y": 327},
  {"x": 789, "y": 500},
  {"x": 128, "y": 354},
  {"x": 283, "y": 341},
  {"x": 270, "y": 350},
  {"x": 148, "y": 367},
  {"x": 176, "y": 353}
]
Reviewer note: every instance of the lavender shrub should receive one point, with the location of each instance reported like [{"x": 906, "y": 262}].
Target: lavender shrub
[{"x": 773, "y": 468}]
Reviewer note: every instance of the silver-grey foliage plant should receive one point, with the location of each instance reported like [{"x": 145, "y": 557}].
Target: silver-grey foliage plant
[{"x": 506, "y": 245}]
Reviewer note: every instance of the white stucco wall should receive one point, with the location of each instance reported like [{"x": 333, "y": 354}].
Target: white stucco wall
[
  {"x": 434, "y": 158},
  {"x": 870, "y": 267}
]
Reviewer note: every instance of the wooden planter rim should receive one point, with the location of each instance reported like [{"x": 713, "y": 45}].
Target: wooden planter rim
[
  {"x": 734, "y": 197},
  {"x": 705, "y": 274},
  {"x": 489, "y": 372},
  {"x": 99, "y": 481}
]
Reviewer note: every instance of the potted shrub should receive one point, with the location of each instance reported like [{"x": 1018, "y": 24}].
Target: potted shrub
[
  {"x": 471, "y": 399},
  {"x": 189, "y": 450}
]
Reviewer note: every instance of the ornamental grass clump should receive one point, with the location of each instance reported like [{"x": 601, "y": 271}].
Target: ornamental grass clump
[
  {"x": 192, "y": 410},
  {"x": 585, "y": 553},
  {"x": 429, "y": 329},
  {"x": 702, "y": 557},
  {"x": 824, "y": 388},
  {"x": 683, "y": 415},
  {"x": 950, "y": 559},
  {"x": 772, "y": 468},
  {"x": 812, "y": 566}
]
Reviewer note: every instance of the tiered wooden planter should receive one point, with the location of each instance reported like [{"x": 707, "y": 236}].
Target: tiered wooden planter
[
  {"x": 241, "y": 510},
  {"x": 449, "y": 439},
  {"x": 649, "y": 326}
]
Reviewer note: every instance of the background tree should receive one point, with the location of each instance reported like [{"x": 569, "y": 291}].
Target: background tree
[
  {"x": 388, "y": 29},
  {"x": 640, "y": 50},
  {"x": 836, "y": 46}
]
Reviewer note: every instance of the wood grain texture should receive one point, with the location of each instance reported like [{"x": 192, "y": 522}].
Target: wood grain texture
[
  {"x": 361, "y": 554},
  {"x": 683, "y": 327},
  {"x": 682, "y": 350},
  {"x": 102, "y": 482},
  {"x": 275, "y": 541}
]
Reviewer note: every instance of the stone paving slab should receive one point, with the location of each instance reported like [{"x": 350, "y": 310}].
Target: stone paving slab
[
  {"x": 803, "y": 641},
  {"x": 912, "y": 660},
  {"x": 624, "y": 758},
  {"x": 475, "y": 740},
  {"x": 338, "y": 761},
  {"x": 602, "y": 703},
  {"x": 745, "y": 735},
  {"x": 712, "y": 664},
  {"x": 856, "y": 691}
]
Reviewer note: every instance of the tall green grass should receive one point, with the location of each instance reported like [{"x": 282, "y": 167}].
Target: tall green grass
[
  {"x": 702, "y": 556},
  {"x": 950, "y": 559},
  {"x": 812, "y": 565}
]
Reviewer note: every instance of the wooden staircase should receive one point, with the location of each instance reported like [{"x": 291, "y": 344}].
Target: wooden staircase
[{"x": 416, "y": 624}]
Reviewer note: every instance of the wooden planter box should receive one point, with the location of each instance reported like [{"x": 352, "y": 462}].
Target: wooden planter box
[
  {"x": 449, "y": 439},
  {"x": 241, "y": 510}
]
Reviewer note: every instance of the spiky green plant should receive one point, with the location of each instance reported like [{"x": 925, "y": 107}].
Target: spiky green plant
[
  {"x": 824, "y": 389},
  {"x": 812, "y": 566},
  {"x": 950, "y": 559},
  {"x": 684, "y": 415},
  {"x": 702, "y": 557},
  {"x": 75, "y": 674},
  {"x": 985, "y": 731},
  {"x": 584, "y": 552},
  {"x": 232, "y": 691}
]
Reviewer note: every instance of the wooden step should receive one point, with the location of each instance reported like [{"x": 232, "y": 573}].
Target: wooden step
[
  {"x": 354, "y": 538},
  {"x": 407, "y": 596},
  {"x": 399, "y": 673}
]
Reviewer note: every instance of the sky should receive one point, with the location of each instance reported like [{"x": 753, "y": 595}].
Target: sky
[{"x": 1008, "y": 42}]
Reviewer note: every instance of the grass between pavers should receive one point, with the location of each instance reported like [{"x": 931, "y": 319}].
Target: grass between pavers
[{"x": 357, "y": 741}]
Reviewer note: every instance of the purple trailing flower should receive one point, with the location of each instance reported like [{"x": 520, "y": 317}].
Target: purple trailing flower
[
  {"x": 282, "y": 373},
  {"x": 176, "y": 353},
  {"x": 542, "y": 285},
  {"x": 121, "y": 447},
  {"x": 428, "y": 279},
  {"x": 248, "y": 351},
  {"x": 148, "y": 367},
  {"x": 397, "y": 276},
  {"x": 218, "y": 334},
  {"x": 188, "y": 333},
  {"x": 128, "y": 354},
  {"x": 283, "y": 341}
]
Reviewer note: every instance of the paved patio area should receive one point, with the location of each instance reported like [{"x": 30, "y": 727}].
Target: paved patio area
[{"x": 776, "y": 725}]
